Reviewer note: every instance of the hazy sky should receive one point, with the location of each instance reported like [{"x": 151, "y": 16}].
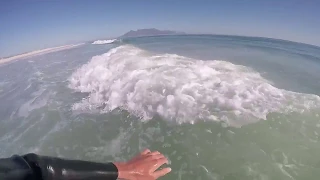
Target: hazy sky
[{"x": 27, "y": 25}]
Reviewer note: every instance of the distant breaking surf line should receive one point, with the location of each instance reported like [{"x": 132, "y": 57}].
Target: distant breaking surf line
[
  {"x": 109, "y": 41},
  {"x": 39, "y": 52}
]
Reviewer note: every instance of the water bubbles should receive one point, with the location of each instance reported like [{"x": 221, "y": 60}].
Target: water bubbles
[
  {"x": 181, "y": 89},
  {"x": 166, "y": 145}
]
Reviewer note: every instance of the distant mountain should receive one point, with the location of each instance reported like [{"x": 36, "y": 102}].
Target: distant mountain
[{"x": 149, "y": 32}]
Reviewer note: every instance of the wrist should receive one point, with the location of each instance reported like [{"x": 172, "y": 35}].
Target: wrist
[{"x": 122, "y": 170}]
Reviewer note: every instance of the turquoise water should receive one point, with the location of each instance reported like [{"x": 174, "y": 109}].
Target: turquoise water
[{"x": 219, "y": 107}]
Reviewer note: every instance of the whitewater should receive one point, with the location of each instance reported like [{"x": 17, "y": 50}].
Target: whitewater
[
  {"x": 109, "y": 41},
  {"x": 181, "y": 89}
]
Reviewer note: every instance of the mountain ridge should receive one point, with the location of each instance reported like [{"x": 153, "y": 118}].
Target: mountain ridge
[{"x": 149, "y": 32}]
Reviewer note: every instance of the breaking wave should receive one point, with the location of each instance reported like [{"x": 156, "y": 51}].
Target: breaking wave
[
  {"x": 181, "y": 89},
  {"x": 109, "y": 41}
]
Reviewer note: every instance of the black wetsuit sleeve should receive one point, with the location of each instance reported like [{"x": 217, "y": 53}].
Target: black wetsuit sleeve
[{"x": 35, "y": 167}]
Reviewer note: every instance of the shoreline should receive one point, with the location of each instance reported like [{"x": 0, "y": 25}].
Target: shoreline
[{"x": 38, "y": 52}]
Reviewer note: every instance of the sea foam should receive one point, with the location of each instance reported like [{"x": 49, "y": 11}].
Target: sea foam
[
  {"x": 109, "y": 41},
  {"x": 181, "y": 89}
]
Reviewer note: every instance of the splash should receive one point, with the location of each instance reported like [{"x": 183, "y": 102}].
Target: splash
[
  {"x": 109, "y": 41},
  {"x": 181, "y": 89}
]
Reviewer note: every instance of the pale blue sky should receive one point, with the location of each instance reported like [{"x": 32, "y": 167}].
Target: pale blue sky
[{"x": 27, "y": 25}]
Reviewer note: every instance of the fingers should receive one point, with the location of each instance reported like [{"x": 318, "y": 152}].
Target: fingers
[
  {"x": 146, "y": 151},
  {"x": 159, "y": 162},
  {"x": 151, "y": 156},
  {"x": 161, "y": 172},
  {"x": 158, "y": 156},
  {"x": 155, "y": 153},
  {"x": 154, "y": 157}
]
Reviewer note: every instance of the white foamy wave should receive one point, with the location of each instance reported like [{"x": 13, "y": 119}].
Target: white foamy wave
[
  {"x": 109, "y": 41},
  {"x": 181, "y": 89}
]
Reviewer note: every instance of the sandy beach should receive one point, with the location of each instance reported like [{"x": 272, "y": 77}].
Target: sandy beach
[{"x": 38, "y": 52}]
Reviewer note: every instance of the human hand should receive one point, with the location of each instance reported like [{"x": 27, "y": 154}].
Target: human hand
[{"x": 143, "y": 167}]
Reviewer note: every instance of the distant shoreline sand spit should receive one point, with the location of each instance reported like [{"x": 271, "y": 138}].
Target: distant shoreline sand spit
[{"x": 38, "y": 52}]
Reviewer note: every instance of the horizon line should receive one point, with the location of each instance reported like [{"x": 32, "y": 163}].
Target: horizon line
[{"x": 182, "y": 34}]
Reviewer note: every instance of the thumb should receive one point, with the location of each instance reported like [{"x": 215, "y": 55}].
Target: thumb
[{"x": 161, "y": 172}]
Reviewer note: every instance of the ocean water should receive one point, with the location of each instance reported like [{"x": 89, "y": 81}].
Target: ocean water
[{"x": 219, "y": 107}]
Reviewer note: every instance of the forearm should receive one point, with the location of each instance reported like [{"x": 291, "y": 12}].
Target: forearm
[{"x": 32, "y": 166}]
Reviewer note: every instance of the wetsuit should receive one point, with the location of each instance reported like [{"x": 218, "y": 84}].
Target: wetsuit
[{"x": 35, "y": 167}]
